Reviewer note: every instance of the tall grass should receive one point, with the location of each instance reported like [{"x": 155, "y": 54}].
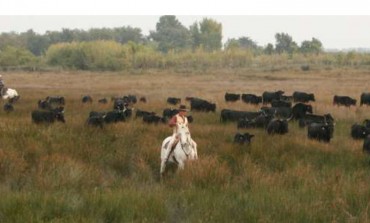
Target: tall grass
[{"x": 74, "y": 173}]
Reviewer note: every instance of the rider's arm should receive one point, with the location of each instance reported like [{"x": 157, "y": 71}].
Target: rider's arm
[{"x": 172, "y": 121}]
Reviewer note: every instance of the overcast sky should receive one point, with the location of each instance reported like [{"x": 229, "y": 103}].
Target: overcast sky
[{"x": 345, "y": 24}]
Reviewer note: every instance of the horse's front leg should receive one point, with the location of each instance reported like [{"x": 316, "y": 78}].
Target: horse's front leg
[
  {"x": 163, "y": 167},
  {"x": 195, "y": 149},
  {"x": 181, "y": 165}
]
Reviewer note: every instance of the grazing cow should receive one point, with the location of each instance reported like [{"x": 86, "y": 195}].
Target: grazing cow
[
  {"x": 286, "y": 98},
  {"x": 43, "y": 104},
  {"x": 198, "y": 104},
  {"x": 189, "y": 98},
  {"x": 8, "y": 107},
  {"x": 277, "y": 126},
  {"x": 57, "y": 100},
  {"x": 141, "y": 113},
  {"x": 320, "y": 131},
  {"x": 366, "y": 146},
  {"x": 359, "y": 131},
  {"x": 96, "y": 120},
  {"x": 153, "y": 119},
  {"x": 230, "y": 97},
  {"x": 281, "y": 112},
  {"x": 281, "y": 103},
  {"x": 267, "y": 97},
  {"x": 115, "y": 116},
  {"x": 173, "y": 101},
  {"x": 251, "y": 99},
  {"x": 120, "y": 104},
  {"x": 48, "y": 116},
  {"x": 261, "y": 121},
  {"x": 130, "y": 99},
  {"x": 303, "y": 97},
  {"x": 365, "y": 99},
  {"x": 299, "y": 110},
  {"x": 169, "y": 112},
  {"x": 87, "y": 99},
  {"x": 103, "y": 101},
  {"x": 243, "y": 138},
  {"x": 344, "y": 100},
  {"x": 311, "y": 118},
  {"x": 232, "y": 115}
]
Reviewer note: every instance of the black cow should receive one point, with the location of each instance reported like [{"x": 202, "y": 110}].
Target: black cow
[
  {"x": 299, "y": 110},
  {"x": 44, "y": 104},
  {"x": 281, "y": 112},
  {"x": 366, "y": 146},
  {"x": 153, "y": 119},
  {"x": 96, "y": 120},
  {"x": 344, "y": 100},
  {"x": 57, "y": 100},
  {"x": 243, "y": 138},
  {"x": 120, "y": 104},
  {"x": 8, "y": 107},
  {"x": 267, "y": 97},
  {"x": 232, "y": 115},
  {"x": 141, "y": 113},
  {"x": 261, "y": 121},
  {"x": 48, "y": 116},
  {"x": 115, "y": 116},
  {"x": 311, "y": 118},
  {"x": 190, "y": 118},
  {"x": 281, "y": 103},
  {"x": 173, "y": 101},
  {"x": 103, "y": 101},
  {"x": 87, "y": 99},
  {"x": 251, "y": 99},
  {"x": 359, "y": 131},
  {"x": 320, "y": 131},
  {"x": 365, "y": 99},
  {"x": 277, "y": 126},
  {"x": 130, "y": 99},
  {"x": 232, "y": 97},
  {"x": 198, "y": 104},
  {"x": 169, "y": 112},
  {"x": 303, "y": 97}
]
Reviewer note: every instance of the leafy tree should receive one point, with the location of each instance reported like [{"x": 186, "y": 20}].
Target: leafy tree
[
  {"x": 195, "y": 35},
  {"x": 170, "y": 34},
  {"x": 210, "y": 34},
  {"x": 269, "y": 49},
  {"x": 35, "y": 43},
  {"x": 12, "y": 56},
  {"x": 313, "y": 46},
  {"x": 285, "y": 43},
  {"x": 242, "y": 42}
]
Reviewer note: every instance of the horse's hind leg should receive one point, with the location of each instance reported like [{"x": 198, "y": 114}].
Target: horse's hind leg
[{"x": 163, "y": 167}]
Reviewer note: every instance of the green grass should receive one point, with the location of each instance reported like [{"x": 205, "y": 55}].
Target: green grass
[{"x": 74, "y": 173}]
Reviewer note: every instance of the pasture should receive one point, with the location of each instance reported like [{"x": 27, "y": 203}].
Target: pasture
[{"x": 75, "y": 173}]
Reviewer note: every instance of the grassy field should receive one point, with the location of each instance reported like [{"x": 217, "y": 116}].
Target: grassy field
[{"x": 74, "y": 173}]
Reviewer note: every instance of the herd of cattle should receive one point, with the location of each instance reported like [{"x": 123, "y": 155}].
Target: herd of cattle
[{"x": 276, "y": 112}]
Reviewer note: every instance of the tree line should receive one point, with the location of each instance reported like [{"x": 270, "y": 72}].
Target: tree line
[{"x": 126, "y": 47}]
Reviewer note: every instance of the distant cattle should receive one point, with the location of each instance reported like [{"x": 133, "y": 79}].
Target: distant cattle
[
  {"x": 96, "y": 120},
  {"x": 279, "y": 112},
  {"x": 365, "y": 98},
  {"x": 281, "y": 103},
  {"x": 153, "y": 119},
  {"x": 277, "y": 126},
  {"x": 366, "y": 146},
  {"x": 142, "y": 99},
  {"x": 320, "y": 131},
  {"x": 233, "y": 115},
  {"x": 344, "y": 100},
  {"x": 115, "y": 116},
  {"x": 251, "y": 99},
  {"x": 267, "y": 97},
  {"x": 230, "y": 97},
  {"x": 57, "y": 100},
  {"x": 8, "y": 107},
  {"x": 198, "y": 104},
  {"x": 41, "y": 116},
  {"x": 44, "y": 104},
  {"x": 169, "y": 112},
  {"x": 173, "y": 101},
  {"x": 261, "y": 121},
  {"x": 367, "y": 123},
  {"x": 359, "y": 131},
  {"x": 243, "y": 138},
  {"x": 141, "y": 113},
  {"x": 87, "y": 99},
  {"x": 299, "y": 110},
  {"x": 303, "y": 97},
  {"x": 311, "y": 118},
  {"x": 120, "y": 104}
]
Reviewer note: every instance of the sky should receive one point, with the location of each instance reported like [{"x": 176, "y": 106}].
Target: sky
[{"x": 343, "y": 25}]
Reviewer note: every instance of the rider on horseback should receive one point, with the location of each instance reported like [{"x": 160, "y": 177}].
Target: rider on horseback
[{"x": 178, "y": 118}]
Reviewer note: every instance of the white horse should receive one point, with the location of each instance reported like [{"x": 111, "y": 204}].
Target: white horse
[
  {"x": 185, "y": 149},
  {"x": 10, "y": 94}
]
